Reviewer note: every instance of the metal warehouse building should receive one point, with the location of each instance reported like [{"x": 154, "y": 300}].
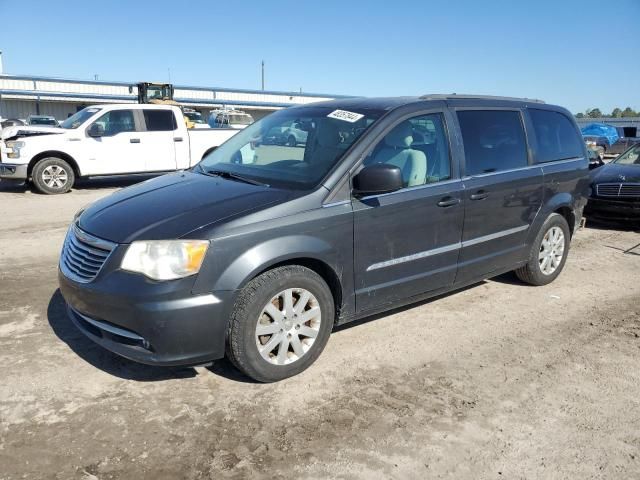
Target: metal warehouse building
[
  {"x": 614, "y": 121},
  {"x": 25, "y": 95}
]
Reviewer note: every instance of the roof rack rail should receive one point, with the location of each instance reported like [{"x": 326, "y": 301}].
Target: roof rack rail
[{"x": 453, "y": 96}]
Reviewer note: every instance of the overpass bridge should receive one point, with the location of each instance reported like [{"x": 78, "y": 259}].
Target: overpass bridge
[{"x": 22, "y": 95}]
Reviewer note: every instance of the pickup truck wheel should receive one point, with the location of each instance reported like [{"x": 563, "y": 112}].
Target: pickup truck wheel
[
  {"x": 548, "y": 252},
  {"x": 52, "y": 175},
  {"x": 281, "y": 322},
  {"x": 291, "y": 141}
]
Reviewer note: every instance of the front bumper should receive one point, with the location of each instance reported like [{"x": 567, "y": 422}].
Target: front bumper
[
  {"x": 149, "y": 322},
  {"x": 13, "y": 171},
  {"x": 612, "y": 209}
]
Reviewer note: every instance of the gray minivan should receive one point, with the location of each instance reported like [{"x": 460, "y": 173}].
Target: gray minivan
[{"x": 260, "y": 250}]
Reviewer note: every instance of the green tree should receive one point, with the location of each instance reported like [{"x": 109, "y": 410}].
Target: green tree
[
  {"x": 617, "y": 113},
  {"x": 629, "y": 112},
  {"x": 594, "y": 113},
  {"x": 579, "y": 115}
]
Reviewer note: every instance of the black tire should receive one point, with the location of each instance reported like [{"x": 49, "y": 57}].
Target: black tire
[
  {"x": 64, "y": 180},
  {"x": 242, "y": 347},
  {"x": 532, "y": 273},
  {"x": 291, "y": 141}
]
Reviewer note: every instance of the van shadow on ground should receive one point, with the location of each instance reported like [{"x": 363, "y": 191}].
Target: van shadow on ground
[
  {"x": 101, "y": 358},
  {"x": 116, "y": 365}
]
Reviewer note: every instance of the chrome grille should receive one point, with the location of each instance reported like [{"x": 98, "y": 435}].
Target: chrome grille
[
  {"x": 83, "y": 255},
  {"x": 618, "y": 190}
]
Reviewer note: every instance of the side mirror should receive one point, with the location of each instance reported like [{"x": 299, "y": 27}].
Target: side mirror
[
  {"x": 376, "y": 179},
  {"x": 95, "y": 130}
]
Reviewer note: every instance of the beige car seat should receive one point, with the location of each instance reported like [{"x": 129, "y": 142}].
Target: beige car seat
[{"x": 397, "y": 151}]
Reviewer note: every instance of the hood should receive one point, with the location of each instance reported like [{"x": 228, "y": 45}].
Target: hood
[
  {"x": 611, "y": 172},
  {"x": 173, "y": 205},
  {"x": 28, "y": 131}
]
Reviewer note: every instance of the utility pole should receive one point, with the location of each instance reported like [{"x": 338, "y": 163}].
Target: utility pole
[
  {"x": 263, "y": 75},
  {"x": 169, "y": 72}
]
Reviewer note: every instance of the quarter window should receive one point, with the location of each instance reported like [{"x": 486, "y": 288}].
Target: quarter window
[
  {"x": 556, "y": 136},
  {"x": 493, "y": 140},
  {"x": 419, "y": 147},
  {"x": 117, "y": 121},
  {"x": 159, "y": 120}
]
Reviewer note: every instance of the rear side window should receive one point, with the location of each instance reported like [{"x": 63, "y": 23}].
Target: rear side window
[
  {"x": 159, "y": 120},
  {"x": 556, "y": 136},
  {"x": 493, "y": 140}
]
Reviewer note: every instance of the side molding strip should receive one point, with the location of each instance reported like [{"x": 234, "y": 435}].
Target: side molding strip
[
  {"x": 446, "y": 248},
  {"x": 493, "y": 236}
]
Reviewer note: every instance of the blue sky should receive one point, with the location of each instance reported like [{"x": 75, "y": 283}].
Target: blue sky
[{"x": 553, "y": 50}]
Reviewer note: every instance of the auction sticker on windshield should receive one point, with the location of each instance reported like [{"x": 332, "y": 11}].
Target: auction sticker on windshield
[{"x": 345, "y": 115}]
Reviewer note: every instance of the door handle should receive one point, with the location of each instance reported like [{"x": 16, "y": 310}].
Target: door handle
[
  {"x": 134, "y": 140},
  {"x": 448, "y": 202},
  {"x": 479, "y": 195},
  {"x": 177, "y": 139}
]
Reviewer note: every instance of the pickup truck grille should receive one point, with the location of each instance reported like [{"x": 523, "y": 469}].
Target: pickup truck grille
[
  {"x": 83, "y": 255},
  {"x": 626, "y": 190}
]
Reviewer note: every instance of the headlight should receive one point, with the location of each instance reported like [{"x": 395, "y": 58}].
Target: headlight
[
  {"x": 165, "y": 259},
  {"x": 13, "y": 148}
]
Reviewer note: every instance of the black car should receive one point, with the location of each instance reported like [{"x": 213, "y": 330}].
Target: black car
[
  {"x": 615, "y": 189},
  {"x": 389, "y": 201}
]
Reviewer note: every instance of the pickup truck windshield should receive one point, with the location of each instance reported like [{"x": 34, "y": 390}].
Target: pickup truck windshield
[
  {"x": 79, "y": 118},
  {"x": 42, "y": 121},
  {"x": 270, "y": 151}
]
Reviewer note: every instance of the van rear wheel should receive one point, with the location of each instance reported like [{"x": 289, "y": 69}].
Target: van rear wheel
[
  {"x": 548, "y": 252},
  {"x": 52, "y": 175},
  {"x": 281, "y": 322}
]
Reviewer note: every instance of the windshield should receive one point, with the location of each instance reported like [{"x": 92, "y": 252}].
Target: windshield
[
  {"x": 630, "y": 157},
  {"x": 42, "y": 121},
  {"x": 79, "y": 118},
  {"x": 240, "y": 119},
  {"x": 195, "y": 117},
  {"x": 300, "y": 160},
  {"x": 158, "y": 92}
]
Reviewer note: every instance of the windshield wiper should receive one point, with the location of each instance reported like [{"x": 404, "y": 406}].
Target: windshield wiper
[{"x": 234, "y": 176}]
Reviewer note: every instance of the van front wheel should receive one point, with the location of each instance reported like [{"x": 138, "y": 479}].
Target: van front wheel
[
  {"x": 281, "y": 322},
  {"x": 52, "y": 175},
  {"x": 548, "y": 252}
]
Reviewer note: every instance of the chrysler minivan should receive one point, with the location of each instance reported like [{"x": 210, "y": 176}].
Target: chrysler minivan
[{"x": 258, "y": 251}]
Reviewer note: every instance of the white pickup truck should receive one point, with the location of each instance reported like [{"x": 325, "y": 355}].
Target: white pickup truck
[{"x": 105, "y": 140}]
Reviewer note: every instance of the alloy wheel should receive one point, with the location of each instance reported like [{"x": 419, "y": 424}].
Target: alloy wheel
[
  {"x": 54, "y": 176},
  {"x": 551, "y": 250},
  {"x": 288, "y": 326}
]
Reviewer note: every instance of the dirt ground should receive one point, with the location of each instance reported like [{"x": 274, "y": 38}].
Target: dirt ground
[{"x": 499, "y": 380}]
